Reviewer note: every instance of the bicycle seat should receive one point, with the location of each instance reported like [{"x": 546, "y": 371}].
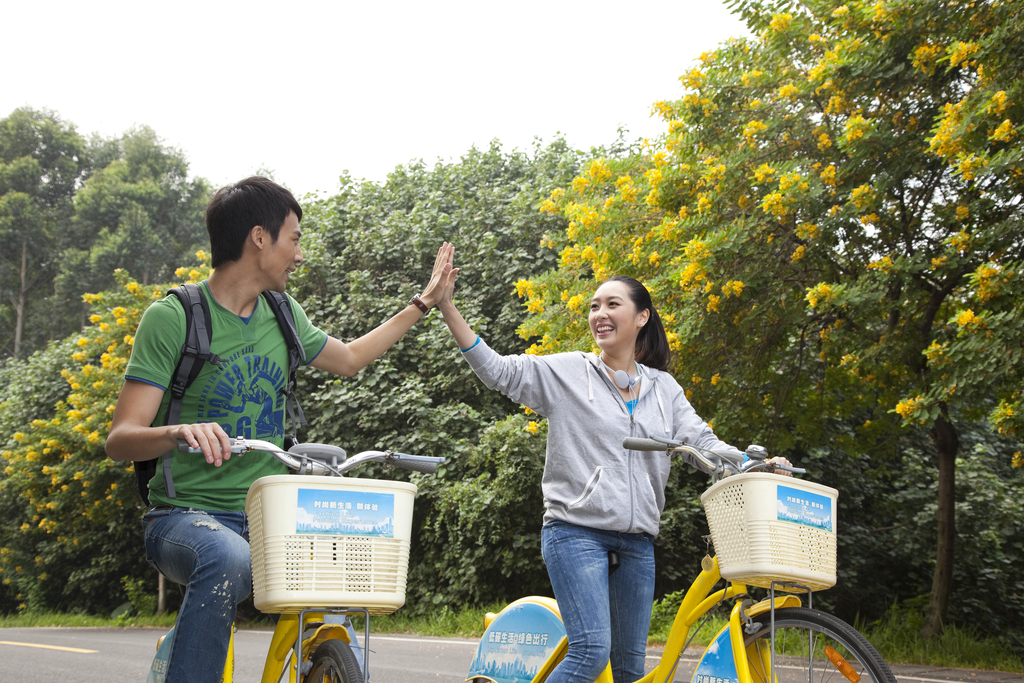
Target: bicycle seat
[{"x": 321, "y": 452}]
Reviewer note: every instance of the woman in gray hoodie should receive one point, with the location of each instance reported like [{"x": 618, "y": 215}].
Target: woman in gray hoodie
[{"x": 599, "y": 498}]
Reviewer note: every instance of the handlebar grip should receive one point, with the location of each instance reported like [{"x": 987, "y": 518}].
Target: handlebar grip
[
  {"x": 633, "y": 443},
  {"x": 183, "y": 447},
  {"x": 416, "y": 463},
  {"x": 787, "y": 468}
]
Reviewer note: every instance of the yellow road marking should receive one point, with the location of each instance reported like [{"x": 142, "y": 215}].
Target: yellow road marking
[{"x": 49, "y": 647}]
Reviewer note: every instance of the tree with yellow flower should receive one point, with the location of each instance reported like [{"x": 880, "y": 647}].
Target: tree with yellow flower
[
  {"x": 72, "y": 513},
  {"x": 849, "y": 167}
]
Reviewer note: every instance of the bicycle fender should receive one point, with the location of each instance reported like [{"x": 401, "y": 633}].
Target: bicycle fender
[
  {"x": 780, "y": 602},
  {"x": 325, "y": 632}
]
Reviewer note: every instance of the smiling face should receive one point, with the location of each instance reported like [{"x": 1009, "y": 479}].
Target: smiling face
[
  {"x": 614, "y": 320},
  {"x": 278, "y": 259}
]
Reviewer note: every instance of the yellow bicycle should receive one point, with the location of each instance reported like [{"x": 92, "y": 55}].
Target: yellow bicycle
[
  {"x": 323, "y": 547},
  {"x": 773, "y": 532}
]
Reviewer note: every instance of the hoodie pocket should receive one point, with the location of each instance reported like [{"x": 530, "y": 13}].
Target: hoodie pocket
[{"x": 588, "y": 490}]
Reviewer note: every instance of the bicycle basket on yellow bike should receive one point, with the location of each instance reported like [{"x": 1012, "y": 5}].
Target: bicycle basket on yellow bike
[{"x": 770, "y": 528}]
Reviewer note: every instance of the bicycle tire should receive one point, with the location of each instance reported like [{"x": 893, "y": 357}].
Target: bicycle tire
[
  {"x": 795, "y": 629},
  {"x": 334, "y": 662}
]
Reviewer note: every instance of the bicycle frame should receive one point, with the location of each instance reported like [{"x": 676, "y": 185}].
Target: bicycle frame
[{"x": 697, "y": 602}]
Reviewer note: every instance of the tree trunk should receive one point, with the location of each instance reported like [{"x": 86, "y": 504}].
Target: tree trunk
[
  {"x": 947, "y": 445},
  {"x": 20, "y": 307},
  {"x": 161, "y": 594}
]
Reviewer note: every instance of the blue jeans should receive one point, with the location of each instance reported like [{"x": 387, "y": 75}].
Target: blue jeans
[
  {"x": 208, "y": 553},
  {"x": 605, "y": 616}
]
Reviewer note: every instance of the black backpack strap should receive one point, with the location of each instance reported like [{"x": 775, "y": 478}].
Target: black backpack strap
[{"x": 282, "y": 309}]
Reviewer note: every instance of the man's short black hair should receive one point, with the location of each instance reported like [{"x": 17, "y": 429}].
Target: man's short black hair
[{"x": 236, "y": 209}]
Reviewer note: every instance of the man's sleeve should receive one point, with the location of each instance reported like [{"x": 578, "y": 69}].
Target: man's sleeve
[
  {"x": 157, "y": 345},
  {"x": 313, "y": 338}
]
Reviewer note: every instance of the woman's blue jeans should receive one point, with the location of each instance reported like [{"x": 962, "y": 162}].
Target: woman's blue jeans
[
  {"x": 208, "y": 553},
  {"x": 605, "y": 616}
]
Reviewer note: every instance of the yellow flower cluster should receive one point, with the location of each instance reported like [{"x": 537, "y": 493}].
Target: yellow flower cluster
[
  {"x": 856, "y": 126},
  {"x": 819, "y": 293},
  {"x": 961, "y": 52},
  {"x": 732, "y": 288},
  {"x": 969, "y": 165},
  {"x": 750, "y": 77},
  {"x": 960, "y": 241},
  {"x": 797, "y": 254},
  {"x": 693, "y": 79},
  {"x": 946, "y": 142},
  {"x": 599, "y": 171},
  {"x": 789, "y": 91},
  {"x": 662, "y": 109},
  {"x": 962, "y": 213},
  {"x": 988, "y": 280},
  {"x": 883, "y": 264},
  {"x": 790, "y": 180},
  {"x": 1004, "y": 133},
  {"x": 781, "y": 22},
  {"x": 862, "y": 197},
  {"x": 997, "y": 103},
  {"x": 764, "y": 173},
  {"x": 926, "y": 57},
  {"x": 968, "y": 319},
  {"x": 775, "y": 204},
  {"x": 807, "y": 231},
  {"x": 828, "y": 176},
  {"x": 907, "y": 408},
  {"x": 935, "y": 351}
]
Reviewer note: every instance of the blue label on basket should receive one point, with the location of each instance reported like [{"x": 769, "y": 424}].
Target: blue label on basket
[
  {"x": 345, "y": 513},
  {"x": 803, "y": 507}
]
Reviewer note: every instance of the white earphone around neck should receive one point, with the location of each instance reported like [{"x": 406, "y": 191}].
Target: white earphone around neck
[{"x": 621, "y": 377}]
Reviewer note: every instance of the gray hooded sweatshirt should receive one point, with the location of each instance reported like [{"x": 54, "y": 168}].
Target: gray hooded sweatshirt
[{"x": 589, "y": 478}]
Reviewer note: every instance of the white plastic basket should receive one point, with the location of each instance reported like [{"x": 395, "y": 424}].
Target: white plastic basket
[
  {"x": 771, "y": 528},
  {"x": 329, "y": 542}
]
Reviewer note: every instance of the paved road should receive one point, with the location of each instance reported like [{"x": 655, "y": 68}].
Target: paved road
[{"x": 112, "y": 655}]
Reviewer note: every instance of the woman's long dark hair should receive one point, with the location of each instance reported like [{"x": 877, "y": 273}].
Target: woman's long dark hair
[{"x": 651, "y": 343}]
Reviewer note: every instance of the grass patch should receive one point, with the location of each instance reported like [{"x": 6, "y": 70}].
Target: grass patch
[
  {"x": 467, "y": 623},
  {"x": 29, "y": 619},
  {"x": 897, "y": 636}
]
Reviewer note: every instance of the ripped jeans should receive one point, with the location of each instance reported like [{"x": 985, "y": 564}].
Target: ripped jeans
[{"x": 208, "y": 553}]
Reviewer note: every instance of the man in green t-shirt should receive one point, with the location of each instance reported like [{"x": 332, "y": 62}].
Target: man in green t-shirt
[{"x": 199, "y": 537}]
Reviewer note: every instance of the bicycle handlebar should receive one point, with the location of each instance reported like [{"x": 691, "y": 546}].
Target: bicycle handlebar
[
  {"x": 718, "y": 465},
  {"x": 324, "y": 459}
]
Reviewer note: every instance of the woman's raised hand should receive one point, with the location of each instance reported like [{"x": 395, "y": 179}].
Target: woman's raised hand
[{"x": 439, "y": 277}]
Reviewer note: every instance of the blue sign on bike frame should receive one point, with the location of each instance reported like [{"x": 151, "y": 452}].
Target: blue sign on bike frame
[
  {"x": 804, "y": 507},
  {"x": 333, "y": 512}
]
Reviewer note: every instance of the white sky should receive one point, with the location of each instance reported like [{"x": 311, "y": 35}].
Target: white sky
[{"x": 311, "y": 89}]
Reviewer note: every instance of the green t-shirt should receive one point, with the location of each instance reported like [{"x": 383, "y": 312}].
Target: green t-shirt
[{"x": 244, "y": 398}]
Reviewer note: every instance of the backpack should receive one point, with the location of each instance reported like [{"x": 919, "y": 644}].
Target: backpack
[{"x": 196, "y": 351}]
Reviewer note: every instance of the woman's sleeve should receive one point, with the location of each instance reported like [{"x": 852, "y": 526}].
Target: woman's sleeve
[{"x": 527, "y": 380}]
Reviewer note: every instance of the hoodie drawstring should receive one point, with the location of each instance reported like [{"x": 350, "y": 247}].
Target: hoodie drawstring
[
  {"x": 590, "y": 386},
  {"x": 661, "y": 407}
]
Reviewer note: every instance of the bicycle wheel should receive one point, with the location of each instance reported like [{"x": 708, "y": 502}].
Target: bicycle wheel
[
  {"x": 334, "y": 662},
  {"x": 812, "y": 646}
]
